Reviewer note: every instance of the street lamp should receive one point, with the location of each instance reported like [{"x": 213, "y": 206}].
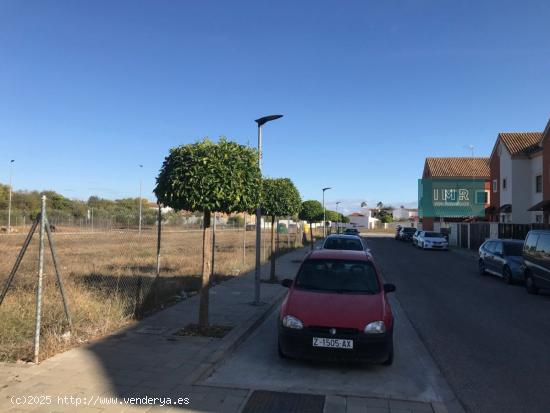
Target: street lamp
[
  {"x": 140, "y": 184},
  {"x": 9, "y": 202},
  {"x": 325, "y": 213},
  {"x": 338, "y": 215},
  {"x": 260, "y": 122}
]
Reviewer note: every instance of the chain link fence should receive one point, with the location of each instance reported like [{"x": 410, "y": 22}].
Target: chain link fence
[{"x": 112, "y": 273}]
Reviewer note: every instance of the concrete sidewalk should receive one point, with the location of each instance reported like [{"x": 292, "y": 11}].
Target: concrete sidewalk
[{"x": 146, "y": 360}]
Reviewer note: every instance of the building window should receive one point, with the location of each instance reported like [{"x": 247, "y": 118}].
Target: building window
[
  {"x": 538, "y": 219},
  {"x": 503, "y": 183},
  {"x": 495, "y": 184},
  {"x": 482, "y": 197},
  {"x": 538, "y": 183}
]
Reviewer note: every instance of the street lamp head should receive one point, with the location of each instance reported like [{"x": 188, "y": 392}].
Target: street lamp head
[
  {"x": 12, "y": 161},
  {"x": 266, "y": 119},
  {"x": 324, "y": 189}
]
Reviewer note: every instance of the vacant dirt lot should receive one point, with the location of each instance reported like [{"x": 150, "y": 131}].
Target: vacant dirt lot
[{"x": 110, "y": 280}]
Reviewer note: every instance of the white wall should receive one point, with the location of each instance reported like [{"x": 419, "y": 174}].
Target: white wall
[
  {"x": 400, "y": 213},
  {"x": 520, "y": 186},
  {"x": 521, "y": 191},
  {"x": 360, "y": 221},
  {"x": 536, "y": 169}
]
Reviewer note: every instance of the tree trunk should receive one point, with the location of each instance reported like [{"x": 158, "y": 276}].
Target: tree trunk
[
  {"x": 206, "y": 260},
  {"x": 272, "y": 276},
  {"x": 311, "y": 235},
  {"x": 213, "y": 265}
]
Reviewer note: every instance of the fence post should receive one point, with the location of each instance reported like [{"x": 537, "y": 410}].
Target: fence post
[
  {"x": 40, "y": 277},
  {"x": 244, "y": 241},
  {"x": 213, "y": 248},
  {"x": 58, "y": 274},
  {"x": 288, "y": 232},
  {"x": 159, "y": 226}
]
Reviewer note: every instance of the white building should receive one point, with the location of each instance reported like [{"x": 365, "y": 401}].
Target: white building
[
  {"x": 516, "y": 177},
  {"x": 404, "y": 214},
  {"x": 363, "y": 219}
]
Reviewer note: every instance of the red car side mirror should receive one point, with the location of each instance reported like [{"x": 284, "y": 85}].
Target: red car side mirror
[{"x": 287, "y": 283}]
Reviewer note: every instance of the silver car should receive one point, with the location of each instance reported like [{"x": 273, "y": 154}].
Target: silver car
[
  {"x": 429, "y": 240},
  {"x": 346, "y": 242}
]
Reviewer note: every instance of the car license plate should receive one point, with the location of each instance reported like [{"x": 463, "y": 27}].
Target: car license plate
[{"x": 332, "y": 343}]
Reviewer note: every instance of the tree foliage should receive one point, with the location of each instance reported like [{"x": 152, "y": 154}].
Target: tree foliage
[
  {"x": 27, "y": 204},
  {"x": 384, "y": 215},
  {"x": 311, "y": 211},
  {"x": 333, "y": 216},
  {"x": 209, "y": 176},
  {"x": 280, "y": 197}
]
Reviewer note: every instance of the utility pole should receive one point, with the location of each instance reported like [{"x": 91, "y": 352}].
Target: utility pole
[
  {"x": 140, "y": 183},
  {"x": 9, "y": 202},
  {"x": 257, "y": 270},
  {"x": 324, "y": 213},
  {"x": 338, "y": 220}
]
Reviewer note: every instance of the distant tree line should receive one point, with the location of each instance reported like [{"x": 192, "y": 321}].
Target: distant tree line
[{"x": 27, "y": 204}]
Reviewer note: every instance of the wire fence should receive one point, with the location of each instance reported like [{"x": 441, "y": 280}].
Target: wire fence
[{"x": 112, "y": 274}]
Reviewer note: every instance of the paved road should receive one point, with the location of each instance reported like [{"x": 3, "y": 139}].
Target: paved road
[
  {"x": 413, "y": 376},
  {"x": 413, "y": 383},
  {"x": 491, "y": 341}
]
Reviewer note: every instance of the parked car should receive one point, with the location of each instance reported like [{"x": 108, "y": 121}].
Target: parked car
[
  {"x": 536, "y": 258},
  {"x": 346, "y": 242},
  {"x": 336, "y": 309},
  {"x": 406, "y": 233},
  {"x": 503, "y": 258},
  {"x": 415, "y": 238},
  {"x": 432, "y": 240},
  {"x": 351, "y": 231},
  {"x": 397, "y": 229}
]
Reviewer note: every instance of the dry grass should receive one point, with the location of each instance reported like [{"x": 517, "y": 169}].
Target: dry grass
[{"x": 110, "y": 281}]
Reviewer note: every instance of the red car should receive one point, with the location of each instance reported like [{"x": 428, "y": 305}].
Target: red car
[{"x": 337, "y": 309}]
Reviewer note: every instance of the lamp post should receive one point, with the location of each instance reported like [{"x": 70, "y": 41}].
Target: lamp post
[
  {"x": 338, "y": 215},
  {"x": 140, "y": 184},
  {"x": 260, "y": 122},
  {"x": 9, "y": 201},
  {"x": 325, "y": 213}
]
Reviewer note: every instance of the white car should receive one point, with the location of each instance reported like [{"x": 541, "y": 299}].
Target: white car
[
  {"x": 432, "y": 240},
  {"x": 346, "y": 242},
  {"x": 415, "y": 238}
]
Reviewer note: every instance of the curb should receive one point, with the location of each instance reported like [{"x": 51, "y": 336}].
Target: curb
[
  {"x": 464, "y": 252},
  {"x": 235, "y": 338}
]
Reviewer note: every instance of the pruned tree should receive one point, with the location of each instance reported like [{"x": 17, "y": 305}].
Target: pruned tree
[
  {"x": 312, "y": 211},
  {"x": 279, "y": 198},
  {"x": 332, "y": 216},
  {"x": 209, "y": 177}
]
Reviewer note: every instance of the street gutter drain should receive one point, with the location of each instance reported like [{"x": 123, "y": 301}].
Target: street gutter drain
[{"x": 262, "y": 401}]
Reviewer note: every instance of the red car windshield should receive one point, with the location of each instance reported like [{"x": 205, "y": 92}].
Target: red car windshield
[{"x": 340, "y": 276}]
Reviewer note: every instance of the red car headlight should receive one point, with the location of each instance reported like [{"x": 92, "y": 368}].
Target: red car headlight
[
  {"x": 376, "y": 327},
  {"x": 292, "y": 322}
]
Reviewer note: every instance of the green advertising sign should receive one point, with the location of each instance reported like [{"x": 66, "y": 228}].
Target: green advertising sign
[{"x": 452, "y": 198}]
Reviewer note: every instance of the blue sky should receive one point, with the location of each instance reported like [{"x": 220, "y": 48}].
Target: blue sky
[{"x": 368, "y": 89}]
